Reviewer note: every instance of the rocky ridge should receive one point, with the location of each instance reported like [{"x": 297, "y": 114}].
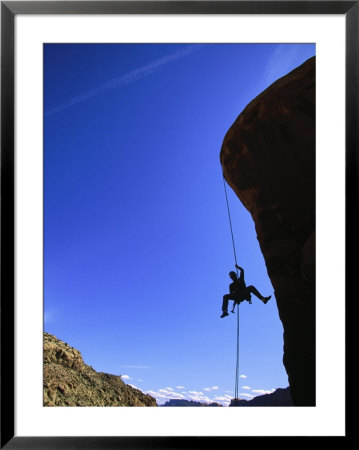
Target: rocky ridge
[{"x": 68, "y": 381}]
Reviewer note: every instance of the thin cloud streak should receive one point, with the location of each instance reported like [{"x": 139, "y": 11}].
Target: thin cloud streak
[{"x": 127, "y": 78}]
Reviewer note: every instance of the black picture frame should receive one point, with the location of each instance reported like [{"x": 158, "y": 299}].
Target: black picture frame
[{"x": 9, "y": 9}]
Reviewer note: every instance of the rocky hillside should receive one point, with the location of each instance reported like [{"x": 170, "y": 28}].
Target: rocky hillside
[
  {"x": 268, "y": 158},
  {"x": 280, "y": 397},
  {"x": 68, "y": 381}
]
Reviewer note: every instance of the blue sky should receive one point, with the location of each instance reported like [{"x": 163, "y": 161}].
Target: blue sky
[{"x": 137, "y": 244}]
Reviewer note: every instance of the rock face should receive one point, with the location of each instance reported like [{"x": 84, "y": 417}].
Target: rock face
[
  {"x": 268, "y": 158},
  {"x": 68, "y": 381},
  {"x": 280, "y": 397}
]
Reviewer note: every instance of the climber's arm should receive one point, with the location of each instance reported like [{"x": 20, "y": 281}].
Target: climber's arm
[{"x": 241, "y": 276}]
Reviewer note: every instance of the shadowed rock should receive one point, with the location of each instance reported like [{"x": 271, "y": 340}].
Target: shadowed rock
[
  {"x": 280, "y": 397},
  {"x": 268, "y": 158}
]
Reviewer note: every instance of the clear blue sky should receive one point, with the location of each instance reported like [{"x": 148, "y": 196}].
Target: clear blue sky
[{"x": 137, "y": 242}]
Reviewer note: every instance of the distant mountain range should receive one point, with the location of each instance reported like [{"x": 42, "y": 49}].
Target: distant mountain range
[
  {"x": 181, "y": 402},
  {"x": 280, "y": 397}
]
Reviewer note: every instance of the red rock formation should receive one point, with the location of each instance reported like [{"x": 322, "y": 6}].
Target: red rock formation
[{"x": 268, "y": 158}]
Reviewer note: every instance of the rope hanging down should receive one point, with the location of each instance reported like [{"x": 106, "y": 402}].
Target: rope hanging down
[
  {"x": 230, "y": 222},
  {"x": 235, "y": 260},
  {"x": 237, "y": 362}
]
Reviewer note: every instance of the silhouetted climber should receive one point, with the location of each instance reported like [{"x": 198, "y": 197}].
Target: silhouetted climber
[{"x": 238, "y": 291}]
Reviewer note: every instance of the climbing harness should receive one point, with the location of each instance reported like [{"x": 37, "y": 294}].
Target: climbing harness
[{"x": 236, "y": 303}]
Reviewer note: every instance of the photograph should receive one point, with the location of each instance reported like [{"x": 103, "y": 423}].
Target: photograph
[
  {"x": 178, "y": 182},
  {"x": 179, "y": 225}
]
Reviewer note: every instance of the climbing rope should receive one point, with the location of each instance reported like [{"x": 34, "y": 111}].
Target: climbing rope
[
  {"x": 237, "y": 362},
  {"x": 235, "y": 260},
  {"x": 230, "y": 222}
]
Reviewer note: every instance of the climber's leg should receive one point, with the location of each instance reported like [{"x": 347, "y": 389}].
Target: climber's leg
[
  {"x": 226, "y": 299},
  {"x": 235, "y": 302},
  {"x": 251, "y": 289}
]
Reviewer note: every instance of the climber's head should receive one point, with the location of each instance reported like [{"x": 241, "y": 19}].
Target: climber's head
[{"x": 233, "y": 275}]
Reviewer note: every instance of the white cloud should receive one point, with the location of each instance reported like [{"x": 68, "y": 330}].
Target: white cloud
[
  {"x": 164, "y": 394},
  {"x": 262, "y": 391},
  {"x": 224, "y": 400},
  {"x": 207, "y": 395},
  {"x": 243, "y": 394},
  {"x": 126, "y": 377},
  {"x": 223, "y": 397},
  {"x": 168, "y": 393},
  {"x": 199, "y": 397},
  {"x": 127, "y": 78},
  {"x": 242, "y": 376}
]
